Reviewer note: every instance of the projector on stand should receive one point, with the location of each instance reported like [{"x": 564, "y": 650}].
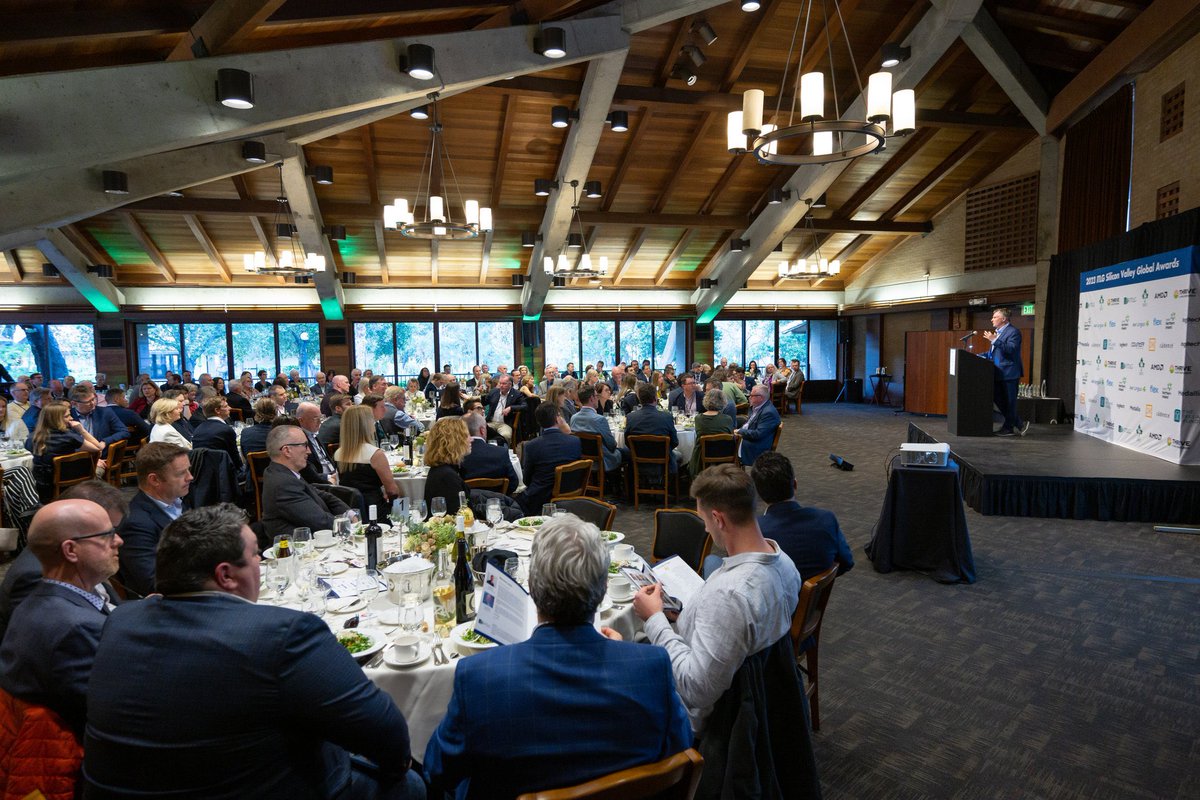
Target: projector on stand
[{"x": 924, "y": 455}]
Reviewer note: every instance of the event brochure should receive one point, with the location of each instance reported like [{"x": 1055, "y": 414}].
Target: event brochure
[
  {"x": 679, "y": 581},
  {"x": 504, "y": 611}
]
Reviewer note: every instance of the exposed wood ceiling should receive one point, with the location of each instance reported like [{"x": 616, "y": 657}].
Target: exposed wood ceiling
[{"x": 673, "y": 195}]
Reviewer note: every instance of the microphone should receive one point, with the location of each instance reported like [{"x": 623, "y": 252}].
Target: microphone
[{"x": 968, "y": 336}]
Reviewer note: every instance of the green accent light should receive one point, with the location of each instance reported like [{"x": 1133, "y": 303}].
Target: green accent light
[
  {"x": 534, "y": 318},
  {"x": 99, "y": 300},
  {"x": 331, "y": 308},
  {"x": 709, "y": 315}
]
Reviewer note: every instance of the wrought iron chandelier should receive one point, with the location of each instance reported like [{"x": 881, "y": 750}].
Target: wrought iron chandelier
[
  {"x": 807, "y": 134},
  {"x": 437, "y": 221},
  {"x": 810, "y": 269},
  {"x": 562, "y": 268},
  {"x": 290, "y": 258}
]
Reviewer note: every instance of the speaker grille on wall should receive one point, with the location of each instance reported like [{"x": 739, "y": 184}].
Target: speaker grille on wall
[
  {"x": 530, "y": 335},
  {"x": 704, "y": 333},
  {"x": 112, "y": 338},
  {"x": 335, "y": 334}
]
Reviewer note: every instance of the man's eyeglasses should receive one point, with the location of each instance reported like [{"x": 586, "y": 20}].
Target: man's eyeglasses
[
  {"x": 296, "y": 444},
  {"x": 109, "y": 533}
]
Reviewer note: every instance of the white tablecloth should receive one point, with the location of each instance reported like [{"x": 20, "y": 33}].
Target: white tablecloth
[
  {"x": 413, "y": 483},
  {"x": 8, "y": 462},
  {"x": 687, "y": 441}
]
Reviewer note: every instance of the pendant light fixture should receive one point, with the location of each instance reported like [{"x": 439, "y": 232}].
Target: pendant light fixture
[
  {"x": 810, "y": 269},
  {"x": 291, "y": 260},
  {"x": 583, "y": 268}
]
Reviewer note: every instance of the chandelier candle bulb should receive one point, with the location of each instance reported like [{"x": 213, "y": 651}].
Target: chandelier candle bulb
[
  {"x": 562, "y": 262},
  {"x": 585, "y": 262},
  {"x": 391, "y": 217},
  {"x": 548, "y": 265},
  {"x": 485, "y": 219},
  {"x": 471, "y": 208},
  {"x": 835, "y": 267},
  {"x": 286, "y": 259},
  {"x": 735, "y": 139},
  {"x": 904, "y": 112},
  {"x": 812, "y": 96},
  {"x": 773, "y": 147},
  {"x": 752, "y": 111},
  {"x": 437, "y": 210},
  {"x": 879, "y": 96},
  {"x": 603, "y": 265},
  {"x": 822, "y": 143}
]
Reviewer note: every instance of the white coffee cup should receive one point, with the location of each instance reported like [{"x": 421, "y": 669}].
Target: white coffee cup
[
  {"x": 619, "y": 587},
  {"x": 323, "y": 538},
  {"x": 406, "y": 647},
  {"x": 623, "y": 552}
]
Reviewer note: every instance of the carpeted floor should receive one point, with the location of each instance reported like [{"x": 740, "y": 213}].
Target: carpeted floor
[{"x": 1071, "y": 668}]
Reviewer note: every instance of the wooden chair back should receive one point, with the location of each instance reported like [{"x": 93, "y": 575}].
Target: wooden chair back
[
  {"x": 680, "y": 532},
  {"x": 129, "y": 467},
  {"x": 777, "y": 398},
  {"x": 71, "y": 469},
  {"x": 589, "y": 509},
  {"x": 118, "y": 454},
  {"x": 593, "y": 450},
  {"x": 236, "y": 415},
  {"x": 674, "y": 778},
  {"x": 489, "y": 484},
  {"x": 717, "y": 448},
  {"x": 806, "y": 624},
  {"x": 571, "y": 480},
  {"x": 799, "y": 396},
  {"x": 515, "y": 424},
  {"x": 775, "y": 441},
  {"x": 257, "y": 464},
  {"x": 650, "y": 455},
  {"x": 742, "y": 408}
]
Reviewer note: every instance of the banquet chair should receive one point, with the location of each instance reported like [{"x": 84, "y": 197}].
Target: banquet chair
[
  {"x": 129, "y": 468},
  {"x": 651, "y": 459},
  {"x": 589, "y": 509},
  {"x": 257, "y": 464},
  {"x": 571, "y": 479},
  {"x": 806, "y": 633},
  {"x": 680, "y": 532},
  {"x": 71, "y": 469},
  {"x": 118, "y": 455},
  {"x": 490, "y": 484},
  {"x": 777, "y": 397},
  {"x": 717, "y": 448},
  {"x": 519, "y": 434},
  {"x": 592, "y": 447},
  {"x": 799, "y": 395},
  {"x": 673, "y": 778},
  {"x": 235, "y": 415},
  {"x": 775, "y": 441}
]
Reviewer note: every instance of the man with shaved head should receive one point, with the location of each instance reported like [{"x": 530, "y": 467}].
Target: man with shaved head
[
  {"x": 339, "y": 384},
  {"x": 48, "y": 650}
]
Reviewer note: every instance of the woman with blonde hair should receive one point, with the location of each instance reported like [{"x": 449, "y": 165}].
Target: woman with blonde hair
[
  {"x": 57, "y": 434},
  {"x": 362, "y": 465},
  {"x": 445, "y": 448},
  {"x": 627, "y": 395},
  {"x": 163, "y": 416}
]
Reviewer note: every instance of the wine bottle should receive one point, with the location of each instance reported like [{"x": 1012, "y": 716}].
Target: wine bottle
[
  {"x": 464, "y": 582},
  {"x": 374, "y": 536}
]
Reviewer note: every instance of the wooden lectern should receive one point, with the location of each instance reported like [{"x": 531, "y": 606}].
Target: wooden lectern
[{"x": 970, "y": 402}]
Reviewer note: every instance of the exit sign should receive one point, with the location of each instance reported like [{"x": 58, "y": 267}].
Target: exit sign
[{"x": 1027, "y": 310}]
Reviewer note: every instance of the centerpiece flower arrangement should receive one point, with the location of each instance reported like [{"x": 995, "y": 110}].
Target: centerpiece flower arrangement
[{"x": 426, "y": 538}]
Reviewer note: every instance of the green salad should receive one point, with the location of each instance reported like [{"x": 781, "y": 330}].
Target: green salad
[
  {"x": 354, "y": 641},
  {"x": 614, "y": 568},
  {"x": 471, "y": 637},
  {"x": 609, "y": 535}
]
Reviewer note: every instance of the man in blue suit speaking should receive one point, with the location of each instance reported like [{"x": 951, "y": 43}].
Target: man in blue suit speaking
[
  {"x": 568, "y": 704},
  {"x": 1006, "y": 358},
  {"x": 758, "y": 434}
]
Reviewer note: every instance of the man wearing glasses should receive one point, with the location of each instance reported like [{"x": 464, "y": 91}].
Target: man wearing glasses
[
  {"x": 48, "y": 649},
  {"x": 288, "y": 500}
]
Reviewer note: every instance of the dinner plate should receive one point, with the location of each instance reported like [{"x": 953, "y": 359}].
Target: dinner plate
[
  {"x": 330, "y": 568},
  {"x": 465, "y": 647},
  {"x": 392, "y": 659},
  {"x": 612, "y": 538},
  {"x": 345, "y": 605},
  {"x": 378, "y": 641},
  {"x": 605, "y": 605},
  {"x": 319, "y": 546},
  {"x": 530, "y": 524}
]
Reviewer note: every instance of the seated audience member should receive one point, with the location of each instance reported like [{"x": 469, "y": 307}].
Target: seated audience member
[
  {"x": 588, "y": 706},
  {"x": 450, "y": 404},
  {"x": 163, "y": 415},
  {"x": 331, "y": 429},
  {"x": 378, "y": 410},
  {"x": 377, "y": 384},
  {"x": 51, "y": 641},
  {"x": 215, "y": 433},
  {"x": 713, "y": 420},
  {"x": 339, "y": 384},
  {"x": 37, "y": 399},
  {"x": 290, "y": 502},
  {"x": 361, "y": 464},
  {"x": 184, "y": 424},
  {"x": 148, "y": 394},
  {"x": 742, "y": 608},
  {"x": 604, "y": 395},
  {"x": 278, "y": 395},
  {"x": 586, "y": 420},
  {"x": 25, "y": 571},
  {"x": 795, "y": 382},
  {"x": 202, "y": 693},
  {"x": 12, "y": 427},
  {"x": 163, "y": 476},
  {"x": 688, "y": 399},
  {"x": 254, "y": 437},
  {"x": 730, "y": 409},
  {"x": 811, "y": 537},
  {"x": 554, "y": 447},
  {"x": 627, "y": 395},
  {"x": 320, "y": 466},
  {"x": 650, "y": 420},
  {"x": 241, "y": 401},
  {"x": 730, "y": 387},
  {"x": 100, "y": 422},
  {"x": 445, "y": 448},
  {"x": 118, "y": 406},
  {"x": 394, "y": 400},
  {"x": 503, "y": 403},
  {"x": 17, "y": 406},
  {"x": 758, "y": 432},
  {"x": 484, "y": 460},
  {"x": 56, "y": 434}
]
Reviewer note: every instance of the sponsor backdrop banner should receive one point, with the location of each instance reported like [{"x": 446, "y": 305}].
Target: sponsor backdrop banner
[{"x": 1136, "y": 381}]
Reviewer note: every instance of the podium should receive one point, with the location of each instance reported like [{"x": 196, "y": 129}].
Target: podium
[{"x": 971, "y": 393}]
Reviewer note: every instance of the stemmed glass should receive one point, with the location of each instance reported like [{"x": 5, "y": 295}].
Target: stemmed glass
[
  {"x": 368, "y": 586},
  {"x": 548, "y": 510},
  {"x": 278, "y": 578},
  {"x": 494, "y": 512},
  {"x": 343, "y": 529},
  {"x": 439, "y": 507},
  {"x": 302, "y": 542},
  {"x": 394, "y": 440},
  {"x": 418, "y": 511}
]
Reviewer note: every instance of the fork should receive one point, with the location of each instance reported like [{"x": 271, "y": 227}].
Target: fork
[{"x": 439, "y": 655}]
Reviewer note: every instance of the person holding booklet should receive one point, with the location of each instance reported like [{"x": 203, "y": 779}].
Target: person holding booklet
[{"x": 569, "y": 704}]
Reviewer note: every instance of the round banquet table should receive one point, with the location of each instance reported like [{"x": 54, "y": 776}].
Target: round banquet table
[
  {"x": 10, "y": 461},
  {"x": 412, "y": 482},
  {"x": 687, "y": 440}
]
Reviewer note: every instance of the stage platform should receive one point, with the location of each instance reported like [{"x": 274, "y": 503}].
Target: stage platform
[{"x": 1055, "y": 472}]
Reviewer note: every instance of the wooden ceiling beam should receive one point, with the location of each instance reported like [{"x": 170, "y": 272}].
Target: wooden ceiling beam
[
  {"x": 722, "y": 182},
  {"x": 13, "y": 263},
  {"x": 381, "y": 250},
  {"x": 222, "y": 28},
  {"x": 243, "y": 190},
  {"x": 610, "y": 191},
  {"x": 87, "y": 244},
  {"x": 630, "y": 254},
  {"x": 930, "y": 179},
  {"x": 527, "y": 12},
  {"x": 842, "y": 225},
  {"x": 210, "y": 249},
  {"x": 697, "y": 142},
  {"x": 433, "y": 260},
  {"x": 747, "y": 45},
  {"x": 1089, "y": 27},
  {"x": 672, "y": 56},
  {"x": 506, "y": 122},
  {"x": 143, "y": 239},
  {"x": 673, "y": 258}
]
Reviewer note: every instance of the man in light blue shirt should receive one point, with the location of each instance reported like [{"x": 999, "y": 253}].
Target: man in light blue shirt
[
  {"x": 394, "y": 400},
  {"x": 586, "y": 420}
]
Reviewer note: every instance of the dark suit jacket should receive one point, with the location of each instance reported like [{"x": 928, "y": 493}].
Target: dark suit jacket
[
  {"x": 515, "y": 401},
  {"x": 651, "y": 421},
  {"x": 47, "y": 652},
  {"x": 1005, "y": 354},
  {"x": 140, "y": 531},
  {"x": 811, "y": 537},
  {"x": 313, "y": 472},
  {"x": 330, "y": 431},
  {"x": 289, "y": 502},
  {"x": 587, "y": 707},
  {"x": 24, "y": 574},
  {"x": 131, "y": 420},
  {"x": 542, "y": 455},
  {"x": 240, "y": 402},
  {"x": 291, "y": 703},
  {"x": 758, "y": 432},
  {"x": 30, "y": 417},
  {"x": 488, "y": 461},
  {"x": 254, "y": 439},
  {"x": 678, "y": 401},
  {"x": 105, "y": 426},
  {"x": 215, "y": 434},
  {"x": 185, "y": 428}
]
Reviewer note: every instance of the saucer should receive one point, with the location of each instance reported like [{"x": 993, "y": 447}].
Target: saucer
[
  {"x": 621, "y": 599},
  {"x": 320, "y": 546},
  {"x": 331, "y": 568},
  {"x": 392, "y": 659}
]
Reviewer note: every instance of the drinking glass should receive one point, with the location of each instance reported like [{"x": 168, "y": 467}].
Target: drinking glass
[
  {"x": 418, "y": 511},
  {"x": 343, "y": 529},
  {"x": 494, "y": 512},
  {"x": 314, "y": 602},
  {"x": 548, "y": 510},
  {"x": 438, "y": 508},
  {"x": 278, "y": 578},
  {"x": 394, "y": 440},
  {"x": 302, "y": 542},
  {"x": 368, "y": 585},
  {"x": 411, "y": 614},
  {"x": 306, "y": 580}
]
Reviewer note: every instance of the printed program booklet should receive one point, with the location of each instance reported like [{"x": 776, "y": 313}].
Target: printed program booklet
[
  {"x": 679, "y": 581},
  {"x": 504, "y": 611}
]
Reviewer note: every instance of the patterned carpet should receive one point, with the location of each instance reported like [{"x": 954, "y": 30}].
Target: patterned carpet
[{"x": 1071, "y": 669}]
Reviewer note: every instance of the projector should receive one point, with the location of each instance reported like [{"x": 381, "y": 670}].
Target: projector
[{"x": 924, "y": 455}]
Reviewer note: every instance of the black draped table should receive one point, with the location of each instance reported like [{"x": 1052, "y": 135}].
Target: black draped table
[{"x": 923, "y": 526}]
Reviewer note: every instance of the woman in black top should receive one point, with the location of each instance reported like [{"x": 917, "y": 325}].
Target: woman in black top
[
  {"x": 451, "y": 403},
  {"x": 219, "y": 386},
  {"x": 423, "y": 378},
  {"x": 445, "y": 448},
  {"x": 56, "y": 434}
]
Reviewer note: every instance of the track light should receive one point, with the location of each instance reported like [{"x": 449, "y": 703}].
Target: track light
[
  {"x": 591, "y": 190},
  {"x": 529, "y": 238},
  {"x": 173, "y": 193},
  {"x": 254, "y": 152},
  {"x": 551, "y": 42},
  {"x": 543, "y": 186},
  {"x": 820, "y": 201},
  {"x": 100, "y": 270},
  {"x": 115, "y": 182},
  {"x": 49, "y": 270},
  {"x": 420, "y": 112},
  {"x": 561, "y": 116},
  {"x": 518, "y": 281},
  {"x": 683, "y": 73},
  {"x": 894, "y": 54},
  {"x": 321, "y": 174},
  {"x": 708, "y": 283},
  {"x": 418, "y": 62},
  {"x": 705, "y": 31},
  {"x": 349, "y": 278},
  {"x": 558, "y": 282},
  {"x": 235, "y": 88},
  {"x": 738, "y": 245},
  {"x": 777, "y": 196},
  {"x": 619, "y": 121},
  {"x": 695, "y": 54},
  {"x": 575, "y": 241},
  {"x": 750, "y": 5},
  {"x": 336, "y": 232}
]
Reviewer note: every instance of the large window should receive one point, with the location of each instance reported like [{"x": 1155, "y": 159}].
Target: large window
[
  {"x": 599, "y": 341},
  {"x": 374, "y": 348},
  {"x": 159, "y": 350},
  {"x": 632, "y": 341},
  {"x": 793, "y": 340},
  {"x": 205, "y": 350},
  {"x": 414, "y": 348},
  {"x": 636, "y": 337},
  {"x": 254, "y": 348},
  {"x": 495, "y": 344},
  {"x": 727, "y": 341},
  {"x": 53, "y": 350},
  {"x": 562, "y": 343},
  {"x": 226, "y": 350},
  {"x": 670, "y": 345},
  {"x": 812, "y": 342},
  {"x": 401, "y": 350},
  {"x": 456, "y": 342},
  {"x": 300, "y": 348},
  {"x": 823, "y": 350},
  {"x": 760, "y": 341}
]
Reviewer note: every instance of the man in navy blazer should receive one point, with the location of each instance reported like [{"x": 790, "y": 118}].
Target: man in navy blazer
[
  {"x": 48, "y": 650},
  {"x": 96, "y": 420},
  {"x": 118, "y": 406},
  {"x": 503, "y": 403},
  {"x": 811, "y": 537},
  {"x": 485, "y": 460},
  {"x": 204, "y": 693},
  {"x": 163, "y": 475},
  {"x": 758, "y": 433},
  {"x": 1008, "y": 369},
  {"x": 554, "y": 447},
  {"x": 568, "y": 704},
  {"x": 215, "y": 433},
  {"x": 648, "y": 419},
  {"x": 288, "y": 500}
]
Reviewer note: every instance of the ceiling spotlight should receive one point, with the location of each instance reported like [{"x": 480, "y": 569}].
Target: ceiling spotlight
[
  {"x": 894, "y": 53},
  {"x": 695, "y": 54},
  {"x": 591, "y": 189},
  {"x": 100, "y": 270},
  {"x": 682, "y": 73},
  {"x": 820, "y": 202},
  {"x": 420, "y": 112},
  {"x": 558, "y": 281},
  {"x": 543, "y": 186},
  {"x": 750, "y": 5},
  {"x": 284, "y": 230},
  {"x": 418, "y": 62},
  {"x": 529, "y": 238},
  {"x": 254, "y": 152},
  {"x": 561, "y": 116},
  {"x": 49, "y": 270},
  {"x": 738, "y": 245},
  {"x": 708, "y": 283},
  {"x": 336, "y": 232},
  {"x": 705, "y": 31},
  {"x": 619, "y": 121},
  {"x": 321, "y": 174},
  {"x": 235, "y": 88},
  {"x": 349, "y": 278},
  {"x": 518, "y": 281},
  {"x": 115, "y": 182},
  {"x": 575, "y": 241},
  {"x": 777, "y": 196},
  {"x": 173, "y": 193},
  {"x": 551, "y": 42}
]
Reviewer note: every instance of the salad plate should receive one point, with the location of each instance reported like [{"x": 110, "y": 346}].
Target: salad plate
[
  {"x": 362, "y": 642},
  {"x": 467, "y": 641}
]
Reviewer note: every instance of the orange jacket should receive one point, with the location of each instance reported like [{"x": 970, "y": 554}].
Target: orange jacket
[{"x": 38, "y": 752}]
